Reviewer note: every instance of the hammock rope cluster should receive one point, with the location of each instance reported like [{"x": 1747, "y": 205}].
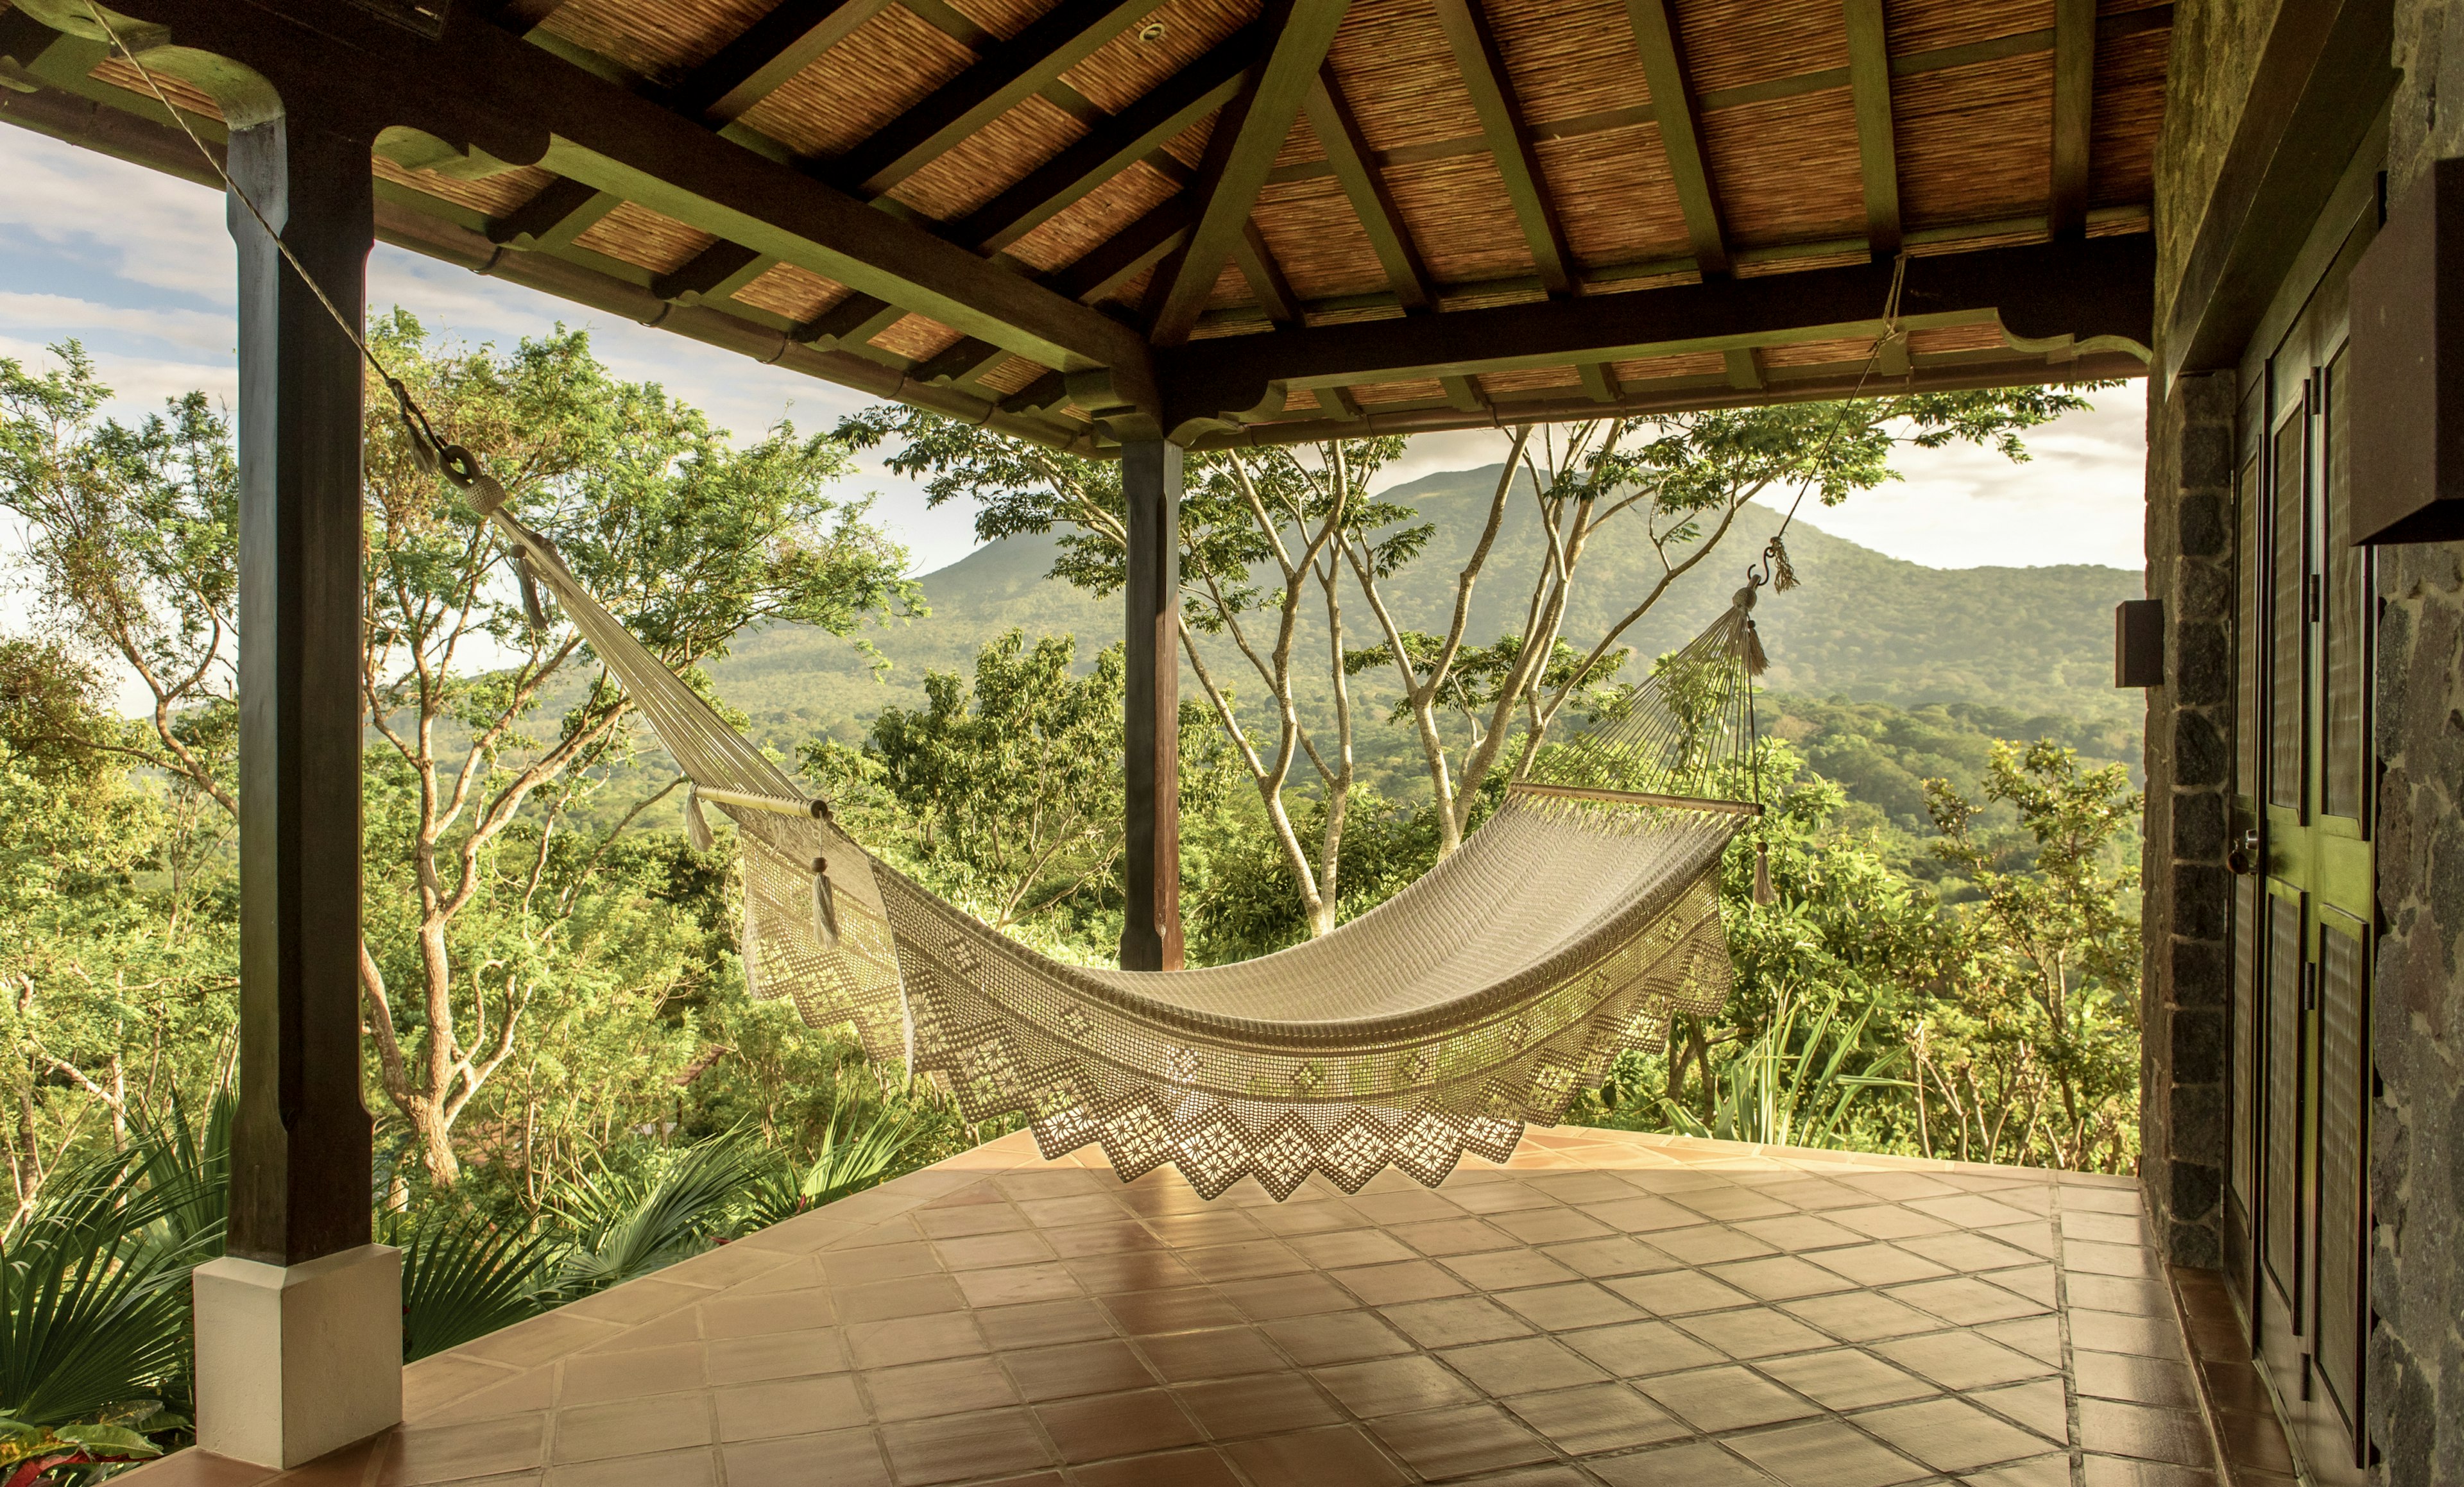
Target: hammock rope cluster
[{"x": 1568, "y": 928}]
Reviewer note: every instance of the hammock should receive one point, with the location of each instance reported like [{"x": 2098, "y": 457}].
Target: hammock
[{"x": 1566, "y": 930}]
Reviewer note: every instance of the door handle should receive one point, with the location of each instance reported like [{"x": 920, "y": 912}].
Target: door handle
[{"x": 2243, "y": 859}]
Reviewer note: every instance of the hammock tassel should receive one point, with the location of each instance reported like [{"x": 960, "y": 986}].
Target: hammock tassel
[
  {"x": 826, "y": 908},
  {"x": 533, "y": 612},
  {"x": 1783, "y": 577},
  {"x": 1756, "y": 662},
  {"x": 697, "y": 825},
  {"x": 1764, "y": 895}
]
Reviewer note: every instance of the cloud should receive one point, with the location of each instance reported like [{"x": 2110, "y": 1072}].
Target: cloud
[
  {"x": 124, "y": 221},
  {"x": 59, "y": 316}
]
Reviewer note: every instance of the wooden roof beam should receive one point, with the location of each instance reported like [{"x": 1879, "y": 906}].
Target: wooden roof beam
[
  {"x": 767, "y": 53},
  {"x": 962, "y": 362},
  {"x": 1355, "y": 170},
  {"x": 1878, "y": 151},
  {"x": 1601, "y": 381},
  {"x": 1501, "y": 120},
  {"x": 1001, "y": 79},
  {"x": 2097, "y": 290},
  {"x": 2073, "y": 114},
  {"x": 1128, "y": 136},
  {"x": 1239, "y": 153},
  {"x": 1675, "y": 109}
]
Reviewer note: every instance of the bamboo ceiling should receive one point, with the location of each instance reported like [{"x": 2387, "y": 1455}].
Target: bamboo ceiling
[{"x": 1322, "y": 219}]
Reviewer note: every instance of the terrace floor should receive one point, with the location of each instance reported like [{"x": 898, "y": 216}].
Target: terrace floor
[{"x": 1606, "y": 1308}]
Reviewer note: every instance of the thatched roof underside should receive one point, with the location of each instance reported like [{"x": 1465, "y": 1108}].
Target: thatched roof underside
[{"x": 1197, "y": 175}]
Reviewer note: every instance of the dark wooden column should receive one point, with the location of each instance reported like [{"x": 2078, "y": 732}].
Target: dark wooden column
[
  {"x": 300, "y": 1149},
  {"x": 1150, "y": 484}
]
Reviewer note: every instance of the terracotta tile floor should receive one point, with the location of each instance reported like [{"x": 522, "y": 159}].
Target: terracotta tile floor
[{"x": 1606, "y": 1308}]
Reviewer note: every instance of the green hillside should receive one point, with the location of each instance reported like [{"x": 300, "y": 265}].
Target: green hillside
[{"x": 1863, "y": 628}]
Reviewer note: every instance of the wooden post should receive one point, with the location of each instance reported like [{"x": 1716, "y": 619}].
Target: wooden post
[
  {"x": 301, "y": 1153},
  {"x": 1151, "y": 486},
  {"x": 298, "y": 1326}
]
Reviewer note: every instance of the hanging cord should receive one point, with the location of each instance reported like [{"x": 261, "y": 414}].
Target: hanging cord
[
  {"x": 1775, "y": 564},
  {"x": 425, "y": 439}
]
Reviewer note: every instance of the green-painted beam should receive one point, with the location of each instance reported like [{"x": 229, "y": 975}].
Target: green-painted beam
[
  {"x": 716, "y": 273},
  {"x": 1129, "y": 252},
  {"x": 1601, "y": 381},
  {"x": 1240, "y": 151},
  {"x": 1135, "y": 133},
  {"x": 561, "y": 212},
  {"x": 1501, "y": 122},
  {"x": 1681, "y": 131},
  {"x": 1355, "y": 170},
  {"x": 767, "y": 53},
  {"x": 1010, "y": 72},
  {"x": 1877, "y": 152},
  {"x": 2073, "y": 114},
  {"x": 1257, "y": 263}
]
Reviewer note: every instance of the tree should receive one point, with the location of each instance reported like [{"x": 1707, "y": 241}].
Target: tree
[
  {"x": 1015, "y": 782},
  {"x": 1264, "y": 530},
  {"x": 488, "y": 713},
  {"x": 2048, "y": 965}
]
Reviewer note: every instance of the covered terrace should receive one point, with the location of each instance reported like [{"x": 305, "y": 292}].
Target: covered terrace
[{"x": 1131, "y": 229}]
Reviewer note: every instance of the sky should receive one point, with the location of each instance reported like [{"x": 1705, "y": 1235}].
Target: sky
[{"x": 138, "y": 267}]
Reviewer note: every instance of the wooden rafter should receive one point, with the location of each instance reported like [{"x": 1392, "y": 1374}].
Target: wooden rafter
[
  {"x": 1005, "y": 77},
  {"x": 1257, "y": 264},
  {"x": 1129, "y": 252},
  {"x": 2074, "y": 113},
  {"x": 716, "y": 273},
  {"x": 1239, "y": 153},
  {"x": 1601, "y": 381},
  {"x": 1501, "y": 120},
  {"x": 1112, "y": 147},
  {"x": 1355, "y": 170},
  {"x": 767, "y": 53},
  {"x": 965, "y": 360},
  {"x": 1878, "y": 153},
  {"x": 1673, "y": 106},
  {"x": 522, "y": 15},
  {"x": 1745, "y": 367},
  {"x": 561, "y": 212}
]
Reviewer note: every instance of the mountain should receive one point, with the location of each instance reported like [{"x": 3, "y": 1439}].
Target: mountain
[{"x": 1863, "y": 627}]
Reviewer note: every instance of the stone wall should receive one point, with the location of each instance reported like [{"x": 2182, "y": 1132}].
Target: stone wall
[
  {"x": 2184, "y": 996},
  {"x": 2416, "y": 1361}
]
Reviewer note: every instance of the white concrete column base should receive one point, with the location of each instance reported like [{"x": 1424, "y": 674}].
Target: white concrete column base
[{"x": 296, "y": 1361}]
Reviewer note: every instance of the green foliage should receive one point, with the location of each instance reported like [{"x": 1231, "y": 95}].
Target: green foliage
[
  {"x": 464, "y": 1278},
  {"x": 1015, "y": 781},
  {"x": 1793, "y": 1084}
]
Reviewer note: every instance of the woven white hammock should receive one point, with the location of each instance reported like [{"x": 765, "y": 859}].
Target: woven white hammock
[{"x": 1566, "y": 930}]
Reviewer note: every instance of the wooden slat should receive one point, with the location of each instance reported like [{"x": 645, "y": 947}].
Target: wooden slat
[
  {"x": 1501, "y": 117},
  {"x": 1111, "y": 147},
  {"x": 1241, "y": 152},
  {"x": 1355, "y": 170},
  {"x": 1878, "y": 155},
  {"x": 1681, "y": 131},
  {"x": 768, "y": 53},
  {"x": 2073, "y": 114},
  {"x": 1005, "y": 77}
]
